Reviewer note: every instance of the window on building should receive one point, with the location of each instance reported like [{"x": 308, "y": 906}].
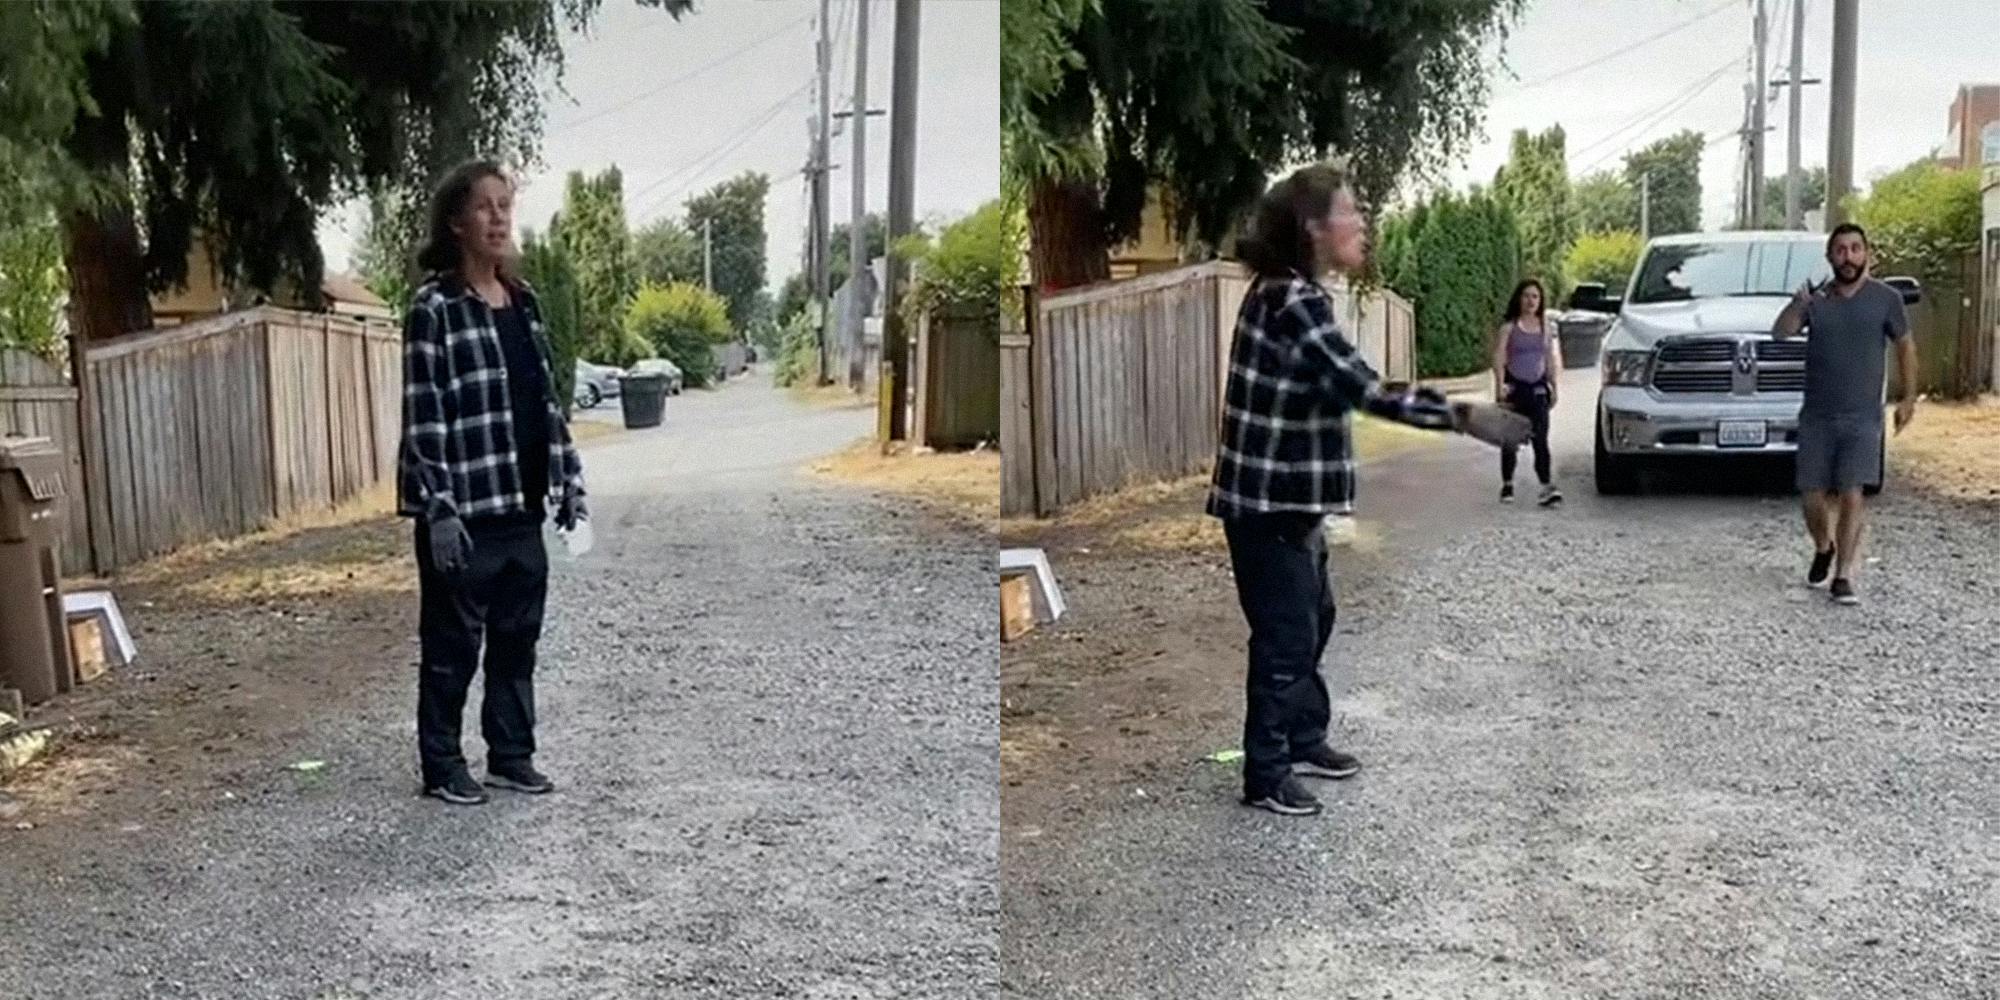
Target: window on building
[{"x": 1989, "y": 143}]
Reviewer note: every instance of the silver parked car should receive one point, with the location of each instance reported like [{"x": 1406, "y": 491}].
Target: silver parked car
[
  {"x": 661, "y": 366},
  {"x": 1689, "y": 365},
  {"x": 595, "y": 383}
]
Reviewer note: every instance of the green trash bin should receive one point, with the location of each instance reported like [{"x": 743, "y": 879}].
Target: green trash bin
[{"x": 644, "y": 397}]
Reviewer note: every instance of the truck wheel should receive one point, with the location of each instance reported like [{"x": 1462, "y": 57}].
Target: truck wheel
[{"x": 1616, "y": 475}]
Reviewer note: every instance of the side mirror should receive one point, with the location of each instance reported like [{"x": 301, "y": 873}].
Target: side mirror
[{"x": 1912, "y": 289}]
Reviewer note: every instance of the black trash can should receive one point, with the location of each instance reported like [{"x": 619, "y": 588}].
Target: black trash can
[
  {"x": 1582, "y": 335},
  {"x": 645, "y": 399}
]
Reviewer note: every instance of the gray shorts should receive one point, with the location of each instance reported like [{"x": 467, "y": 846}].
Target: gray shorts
[{"x": 1839, "y": 454}]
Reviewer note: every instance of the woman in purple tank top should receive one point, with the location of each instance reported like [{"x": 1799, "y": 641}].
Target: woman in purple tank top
[{"x": 1526, "y": 359}]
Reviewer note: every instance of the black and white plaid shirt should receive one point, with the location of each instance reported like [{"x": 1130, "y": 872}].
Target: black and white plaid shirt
[
  {"x": 458, "y": 456},
  {"x": 1294, "y": 382}
]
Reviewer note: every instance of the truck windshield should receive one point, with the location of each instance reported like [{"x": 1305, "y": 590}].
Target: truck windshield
[{"x": 1679, "y": 272}]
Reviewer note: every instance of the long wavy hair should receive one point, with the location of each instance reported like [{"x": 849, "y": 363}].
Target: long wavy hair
[
  {"x": 1278, "y": 242},
  {"x": 1541, "y": 301},
  {"x": 441, "y": 253}
]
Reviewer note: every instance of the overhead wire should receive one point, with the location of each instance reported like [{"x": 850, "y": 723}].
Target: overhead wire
[
  {"x": 676, "y": 81},
  {"x": 1635, "y": 46}
]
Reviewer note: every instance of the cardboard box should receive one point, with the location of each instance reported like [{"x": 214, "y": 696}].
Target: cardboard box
[
  {"x": 86, "y": 648},
  {"x": 1017, "y": 608}
]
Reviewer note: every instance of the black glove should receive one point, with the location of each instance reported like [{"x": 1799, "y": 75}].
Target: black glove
[
  {"x": 570, "y": 511},
  {"x": 451, "y": 545}
]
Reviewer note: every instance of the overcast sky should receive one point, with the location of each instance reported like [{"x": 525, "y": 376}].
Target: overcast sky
[
  {"x": 681, "y": 106},
  {"x": 1913, "y": 56}
]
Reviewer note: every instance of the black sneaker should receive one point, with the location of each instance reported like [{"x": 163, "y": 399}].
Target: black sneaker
[
  {"x": 457, "y": 788},
  {"x": 519, "y": 778},
  {"x": 1506, "y": 492},
  {"x": 1326, "y": 762},
  {"x": 1822, "y": 567},
  {"x": 1843, "y": 592},
  {"x": 1550, "y": 496},
  {"x": 1288, "y": 799}
]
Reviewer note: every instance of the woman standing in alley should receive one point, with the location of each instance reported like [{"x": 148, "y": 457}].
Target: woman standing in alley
[
  {"x": 1526, "y": 359},
  {"x": 1286, "y": 460},
  {"x": 486, "y": 457}
]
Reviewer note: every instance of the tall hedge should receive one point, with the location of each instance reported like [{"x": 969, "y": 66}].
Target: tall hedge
[
  {"x": 547, "y": 268},
  {"x": 1456, "y": 260}
]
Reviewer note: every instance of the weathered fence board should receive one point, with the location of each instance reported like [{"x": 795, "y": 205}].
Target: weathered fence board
[
  {"x": 211, "y": 429},
  {"x": 1121, "y": 384}
]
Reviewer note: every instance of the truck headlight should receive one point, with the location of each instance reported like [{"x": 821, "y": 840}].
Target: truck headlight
[{"x": 1626, "y": 367}]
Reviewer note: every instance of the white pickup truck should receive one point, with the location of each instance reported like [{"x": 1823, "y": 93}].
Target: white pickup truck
[{"x": 1689, "y": 365}]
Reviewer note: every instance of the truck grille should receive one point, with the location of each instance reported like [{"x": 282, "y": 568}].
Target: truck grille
[
  {"x": 1696, "y": 381},
  {"x": 1698, "y": 352},
  {"x": 1709, "y": 366},
  {"x": 1793, "y": 351}
]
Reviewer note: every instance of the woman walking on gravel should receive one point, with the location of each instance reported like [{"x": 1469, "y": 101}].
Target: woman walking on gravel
[
  {"x": 1285, "y": 461},
  {"x": 1526, "y": 358},
  {"x": 486, "y": 458}
]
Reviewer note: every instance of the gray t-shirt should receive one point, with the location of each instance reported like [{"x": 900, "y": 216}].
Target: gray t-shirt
[{"x": 1847, "y": 350}]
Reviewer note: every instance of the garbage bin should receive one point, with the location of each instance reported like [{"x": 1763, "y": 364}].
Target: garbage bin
[
  {"x": 34, "y": 639},
  {"x": 644, "y": 397},
  {"x": 1582, "y": 335}
]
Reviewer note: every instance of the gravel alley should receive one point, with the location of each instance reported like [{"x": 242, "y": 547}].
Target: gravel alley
[
  {"x": 768, "y": 703},
  {"x": 1615, "y": 750}
]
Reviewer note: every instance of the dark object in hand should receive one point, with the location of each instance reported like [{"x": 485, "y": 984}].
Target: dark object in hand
[{"x": 1494, "y": 424}]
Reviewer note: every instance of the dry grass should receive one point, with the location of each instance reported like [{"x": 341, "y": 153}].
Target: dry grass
[
  {"x": 1953, "y": 449},
  {"x": 831, "y": 397},
  {"x": 376, "y": 504},
  {"x": 585, "y": 431},
  {"x": 1185, "y": 529},
  {"x": 967, "y": 482}
]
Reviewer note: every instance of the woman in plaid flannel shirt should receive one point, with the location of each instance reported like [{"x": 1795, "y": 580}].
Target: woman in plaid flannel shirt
[
  {"x": 1286, "y": 460},
  {"x": 486, "y": 459}
]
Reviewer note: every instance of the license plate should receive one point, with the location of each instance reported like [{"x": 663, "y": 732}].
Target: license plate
[{"x": 1741, "y": 434}]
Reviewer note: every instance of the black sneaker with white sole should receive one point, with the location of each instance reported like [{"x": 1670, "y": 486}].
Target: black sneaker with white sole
[
  {"x": 457, "y": 788},
  {"x": 1843, "y": 592},
  {"x": 1325, "y": 762},
  {"x": 1506, "y": 492},
  {"x": 1550, "y": 496},
  {"x": 519, "y": 778},
  {"x": 1822, "y": 568},
  {"x": 1289, "y": 798}
]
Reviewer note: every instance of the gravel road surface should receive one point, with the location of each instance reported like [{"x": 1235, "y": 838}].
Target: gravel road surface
[
  {"x": 768, "y": 703},
  {"x": 1615, "y": 750}
]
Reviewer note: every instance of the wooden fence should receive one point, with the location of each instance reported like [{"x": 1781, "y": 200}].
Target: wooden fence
[
  {"x": 1121, "y": 384},
  {"x": 37, "y": 400},
  {"x": 1954, "y": 353},
  {"x": 958, "y": 386},
  {"x": 216, "y": 428}
]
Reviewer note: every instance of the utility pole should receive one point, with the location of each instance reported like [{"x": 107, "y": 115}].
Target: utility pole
[
  {"x": 708, "y": 254},
  {"x": 896, "y": 381},
  {"x": 1793, "y": 217},
  {"x": 1645, "y": 207},
  {"x": 1757, "y": 101},
  {"x": 857, "y": 236},
  {"x": 1840, "y": 111},
  {"x": 821, "y": 238},
  {"x": 1743, "y": 164}
]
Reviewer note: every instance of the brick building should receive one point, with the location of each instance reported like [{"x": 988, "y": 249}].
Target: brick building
[{"x": 1972, "y": 134}]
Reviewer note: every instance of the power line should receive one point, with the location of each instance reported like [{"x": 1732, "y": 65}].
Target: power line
[
  {"x": 1645, "y": 121},
  {"x": 677, "y": 81},
  {"x": 717, "y": 154},
  {"x": 1641, "y": 43}
]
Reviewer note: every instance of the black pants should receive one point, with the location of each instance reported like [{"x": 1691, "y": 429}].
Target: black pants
[
  {"x": 1531, "y": 401},
  {"x": 495, "y": 602},
  {"x": 1281, "y": 580}
]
